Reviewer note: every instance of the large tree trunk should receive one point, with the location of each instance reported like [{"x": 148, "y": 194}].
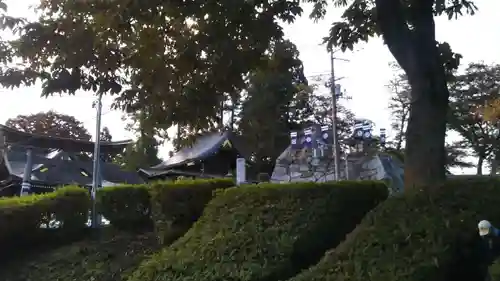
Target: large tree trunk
[
  {"x": 479, "y": 168},
  {"x": 402, "y": 132},
  {"x": 417, "y": 53},
  {"x": 425, "y": 155},
  {"x": 494, "y": 165}
]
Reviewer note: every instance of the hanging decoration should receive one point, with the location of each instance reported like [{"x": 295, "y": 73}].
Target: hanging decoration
[
  {"x": 382, "y": 136},
  {"x": 308, "y": 138},
  {"x": 325, "y": 133},
  {"x": 362, "y": 130},
  {"x": 294, "y": 140}
]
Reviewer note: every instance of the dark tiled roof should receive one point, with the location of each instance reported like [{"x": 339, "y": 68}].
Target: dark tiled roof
[
  {"x": 203, "y": 147},
  {"x": 13, "y": 136},
  {"x": 60, "y": 171}
]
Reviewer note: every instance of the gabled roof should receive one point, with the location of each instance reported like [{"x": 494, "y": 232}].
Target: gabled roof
[
  {"x": 173, "y": 172},
  {"x": 13, "y": 136},
  {"x": 203, "y": 147},
  {"x": 112, "y": 173},
  {"x": 60, "y": 167}
]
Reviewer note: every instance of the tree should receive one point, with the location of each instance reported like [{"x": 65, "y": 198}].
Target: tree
[
  {"x": 9, "y": 73},
  {"x": 455, "y": 156},
  {"x": 491, "y": 113},
  {"x": 408, "y": 30},
  {"x": 491, "y": 109},
  {"x": 399, "y": 105},
  {"x": 321, "y": 105},
  {"x": 400, "y": 108},
  {"x": 105, "y": 135},
  {"x": 276, "y": 102},
  {"x": 469, "y": 92},
  {"x": 50, "y": 123},
  {"x": 180, "y": 59},
  {"x": 143, "y": 153}
]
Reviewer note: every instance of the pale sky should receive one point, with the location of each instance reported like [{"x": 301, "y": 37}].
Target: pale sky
[{"x": 476, "y": 37}]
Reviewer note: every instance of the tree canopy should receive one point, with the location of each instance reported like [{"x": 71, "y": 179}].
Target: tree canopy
[
  {"x": 469, "y": 93},
  {"x": 275, "y": 103},
  {"x": 408, "y": 30},
  {"x": 183, "y": 59},
  {"x": 50, "y": 123},
  {"x": 105, "y": 135},
  {"x": 399, "y": 105},
  {"x": 143, "y": 153},
  {"x": 179, "y": 59}
]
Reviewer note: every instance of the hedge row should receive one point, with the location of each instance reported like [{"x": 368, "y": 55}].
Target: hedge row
[
  {"x": 424, "y": 235},
  {"x": 264, "y": 232},
  {"x": 33, "y": 220},
  {"x": 176, "y": 206},
  {"x": 63, "y": 215},
  {"x": 110, "y": 258},
  {"x": 495, "y": 271},
  {"x": 127, "y": 207},
  {"x": 171, "y": 207}
]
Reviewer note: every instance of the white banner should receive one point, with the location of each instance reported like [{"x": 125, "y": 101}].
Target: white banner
[{"x": 240, "y": 171}]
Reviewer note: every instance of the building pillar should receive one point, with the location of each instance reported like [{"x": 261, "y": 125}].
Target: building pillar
[{"x": 26, "y": 186}]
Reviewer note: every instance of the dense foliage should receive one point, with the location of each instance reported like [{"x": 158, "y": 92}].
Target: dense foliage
[
  {"x": 50, "y": 123},
  {"x": 176, "y": 59},
  {"x": 144, "y": 151},
  {"x": 264, "y": 232},
  {"x": 182, "y": 61},
  {"x": 275, "y": 103},
  {"x": 424, "y": 235},
  {"x": 470, "y": 91}
]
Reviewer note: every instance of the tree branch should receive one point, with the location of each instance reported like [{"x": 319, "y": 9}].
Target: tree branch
[
  {"x": 424, "y": 30},
  {"x": 395, "y": 31}
]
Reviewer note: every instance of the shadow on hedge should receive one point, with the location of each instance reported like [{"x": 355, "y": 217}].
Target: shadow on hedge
[
  {"x": 110, "y": 258},
  {"x": 264, "y": 232},
  {"x": 170, "y": 208},
  {"x": 424, "y": 235}
]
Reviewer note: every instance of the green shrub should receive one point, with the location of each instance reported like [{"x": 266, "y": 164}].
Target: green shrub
[
  {"x": 177, "y": 205},
  {"x": 69, "y": 206},
  {"x": 20, "y": 217},
  {"x": 264, "y": 232},
  {"x": 110, "y": 258},
  {"x": 30, "y": 220},
  {"x": 495, "y": 271},
  {"x": 426, "y": 235},
  {"x": 127, "y": 207}
]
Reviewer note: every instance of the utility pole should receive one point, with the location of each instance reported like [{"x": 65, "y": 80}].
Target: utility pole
[
  {"x": 336, "y": 146},
  {"x": 97, "y": 149}
]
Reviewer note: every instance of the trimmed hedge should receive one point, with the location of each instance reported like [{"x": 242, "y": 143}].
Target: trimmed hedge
[
  {"x": 177, "y": 205},
  {"x": 34, "y": 219},
  {"x": 127, "y": 207},
  {"x": 111, "y": 258},
  {"x": 495, "y": 271},
  {"x": 426, "y": 235},
  {"x": 264, "y": 232}
]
